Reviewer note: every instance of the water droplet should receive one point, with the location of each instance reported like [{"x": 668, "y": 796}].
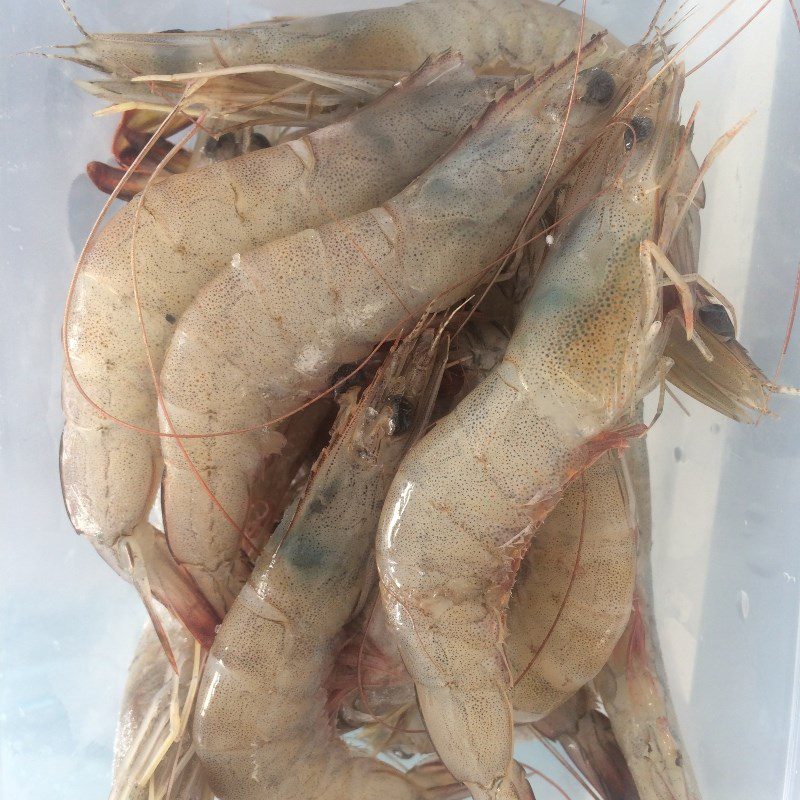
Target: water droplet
[{"x": 744, "y": 604}]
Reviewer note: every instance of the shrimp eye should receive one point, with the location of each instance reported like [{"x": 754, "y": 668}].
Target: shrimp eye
[
  {"x": 601, "y": 88},
  {"x": 213, "y": 145},
  {"x": 258, "y": 141},
  {"x": 401, "y": 415},
  {"x": 341, "y": 375},
  {"x": 715, "y": 318},
  {"x": 639, "y": 128}
]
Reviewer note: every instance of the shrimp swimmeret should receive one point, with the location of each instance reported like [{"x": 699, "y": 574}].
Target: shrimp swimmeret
[
  {"x": 271, "y": 330},
  {"x": 152, "y": 751},
  {"x": 463, "y": 506},
  {"x": 263, "y": 728},
  {"x": 188, "y": 228}
]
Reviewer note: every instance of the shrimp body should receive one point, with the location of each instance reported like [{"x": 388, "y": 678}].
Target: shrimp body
[
  {"x": 572, "y": 596},
  {"x": 262, "y": 728},
  {"x": 272, "y": 329},
  {"x": 468, "y": 496},
  {"x": 633, "y": 685},
  {"x": 526, "y": 34},
  {"x": 189, "y": 226}
]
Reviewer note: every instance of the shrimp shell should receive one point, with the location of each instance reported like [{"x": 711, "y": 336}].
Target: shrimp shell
[{"x": 574, "y": 591}]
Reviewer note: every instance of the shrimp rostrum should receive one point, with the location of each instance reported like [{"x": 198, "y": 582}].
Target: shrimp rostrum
[{"x": 468, "y": 497}]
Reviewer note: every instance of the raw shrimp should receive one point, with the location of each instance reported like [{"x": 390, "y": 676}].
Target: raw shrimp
[
  {"x": 262, "y": 727},
  {"x": 584, "y": 732},
  {"x": 272, "y": 329},
  {"x": 288, "y": 72},
  {"x": 491, "y": 34},
  {"x": 573, "y": 593},
  {"x": 189, "y": 227},
  {"x": 152, "y": 751},
  {"x": 633, "y": 684},
  {"x": 467, "y": 498}
]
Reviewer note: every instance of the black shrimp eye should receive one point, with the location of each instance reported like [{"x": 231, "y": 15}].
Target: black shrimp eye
[
  {"x": 258, "y": 141},
  {"x": 402, "y": 413},
  {"x": 601, "y": 88},
  {"x": 349, "y": 383},
  {"x": 213, "y": 145},
  {"x": 640, "y": 127},
  {"x": 715, "y": 317}
]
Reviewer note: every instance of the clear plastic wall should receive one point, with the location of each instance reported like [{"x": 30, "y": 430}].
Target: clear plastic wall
[{"x": 726, "y": 502}]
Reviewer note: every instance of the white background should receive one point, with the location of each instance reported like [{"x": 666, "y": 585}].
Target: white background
[{"x": 726, "y": 497}]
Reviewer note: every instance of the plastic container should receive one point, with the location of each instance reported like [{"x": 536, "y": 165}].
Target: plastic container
[{"x": 726, "y": 502}]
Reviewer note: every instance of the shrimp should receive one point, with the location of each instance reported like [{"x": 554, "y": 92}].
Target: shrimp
[
  {"x": 151, "y": 752},
  {"x": 262, "y": 727},
  {"x": 494, "y": 35},
  {"x": 468, "y": 496},
  {"x": 584, "y": 732},
  {"x": 189, "y": 226},
  {"x": 271, "y": 330},
  {"x": 633, "y": 684},
  {"x": 574, "y": 591}
]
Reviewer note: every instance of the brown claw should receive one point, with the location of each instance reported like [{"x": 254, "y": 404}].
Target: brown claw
[
  {"x": 106, "y": 178},
  {"x": 155, "y": 155},
  {"x": 138, "y": 125}
]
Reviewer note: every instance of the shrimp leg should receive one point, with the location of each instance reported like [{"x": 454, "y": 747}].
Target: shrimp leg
[{"x": 152, "y": 751}]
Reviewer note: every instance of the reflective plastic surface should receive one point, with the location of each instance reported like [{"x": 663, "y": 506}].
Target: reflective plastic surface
[{"x": 725, "y": 497}]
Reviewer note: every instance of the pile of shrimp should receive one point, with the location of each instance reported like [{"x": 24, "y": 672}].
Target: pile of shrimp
[{"x": 354, "y": 392}]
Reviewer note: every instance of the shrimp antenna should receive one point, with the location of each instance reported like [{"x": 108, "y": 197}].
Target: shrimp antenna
[
  {"x": 74, "y": 19},
  {"x": 672, "y": 24},
  {"x": 793, "y": 6},
  {"x": 674, "y": 18},
  {"x": 730, "y": 38},
  {"x": 553, "y": 750},
  {"x": 533, "y": 772},
  {"x": 674, "y": 57},
  {"x": 789, "y": 327},
  {"x": 654, "y": 20}
]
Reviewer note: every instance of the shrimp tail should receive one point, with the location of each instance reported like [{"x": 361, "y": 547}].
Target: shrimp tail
[
  {"x": 166, "y": 581},
  {"x": 730, "y": 382},
  {"x": 633, "y": 685}
]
